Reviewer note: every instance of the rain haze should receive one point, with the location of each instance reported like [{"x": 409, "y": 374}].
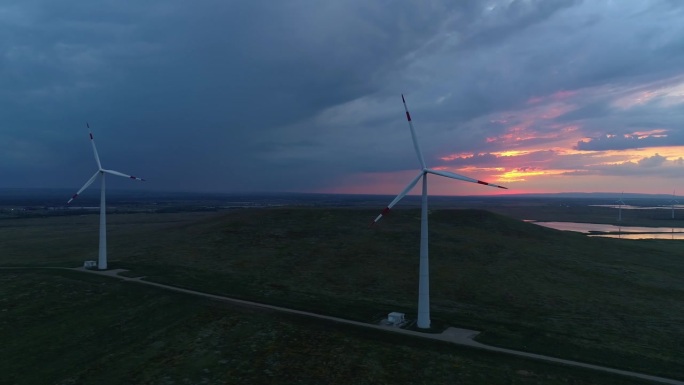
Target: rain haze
[{"x": 300, "y": 96}]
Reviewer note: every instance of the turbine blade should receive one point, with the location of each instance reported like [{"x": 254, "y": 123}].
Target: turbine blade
[
  {"x": 461, "y": 177},
  {"x": 413, "y": 135},
  {"x": 122, "y": 174},
  {"x": 92, "y": 141},
  {"x": 85, "y": 186},
  {"x": 398, "y": 198}
]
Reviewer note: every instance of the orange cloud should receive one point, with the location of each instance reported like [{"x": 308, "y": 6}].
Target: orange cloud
[{"x": 510, "y": 153}]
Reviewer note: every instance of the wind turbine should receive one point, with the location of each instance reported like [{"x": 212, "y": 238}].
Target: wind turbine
[
  {"x": 673, "y": 202},
  {"x": 102, "y": 257},
  {"x": 424, "y": 274},
  {"x": 620, "y": 202}
]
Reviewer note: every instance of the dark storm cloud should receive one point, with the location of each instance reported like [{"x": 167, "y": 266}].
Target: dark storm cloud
[
  {"x": 379, "y": 127},
  {"x": 197, "y": 86},
  {"x": 272, "y": 96},
  {"x": 502, "y": 19}
]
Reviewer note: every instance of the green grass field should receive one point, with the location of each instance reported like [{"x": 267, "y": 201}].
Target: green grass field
[{"x": 612, "y": 302}]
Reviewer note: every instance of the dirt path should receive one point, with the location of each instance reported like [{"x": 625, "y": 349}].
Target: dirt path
[{"x": 463, "y": 337}]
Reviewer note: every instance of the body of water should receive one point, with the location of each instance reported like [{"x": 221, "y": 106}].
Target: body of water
[
  {"x": 629, "y": 207},
  {"x": 625, "y": 232},
  {"x": 671, "y": 236}
]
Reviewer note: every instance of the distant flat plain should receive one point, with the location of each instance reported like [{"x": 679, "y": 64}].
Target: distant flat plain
[{"x": 605, "y": 301}]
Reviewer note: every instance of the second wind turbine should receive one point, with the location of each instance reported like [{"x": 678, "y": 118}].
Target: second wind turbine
[
  {"x": 673, "y": 202},
  {"x": 102, "y": 255},
  {"x": 424, "y": 274}
]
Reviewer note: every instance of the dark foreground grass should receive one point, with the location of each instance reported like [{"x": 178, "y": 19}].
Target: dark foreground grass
[
  {"x": 60, "y": 327},
  {"x": 613, "y": 302}
]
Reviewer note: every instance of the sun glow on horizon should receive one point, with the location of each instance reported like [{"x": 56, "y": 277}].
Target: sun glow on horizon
[
  {"x": 511, "y": 153},
  {"x": 522, "y": 175}
]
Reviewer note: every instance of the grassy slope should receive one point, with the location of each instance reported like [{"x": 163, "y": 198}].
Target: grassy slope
[
  {"x": 613, "y": 302},
  {"x": 61, "y": 327}
]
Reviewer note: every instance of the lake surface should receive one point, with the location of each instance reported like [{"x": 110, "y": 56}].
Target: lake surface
[
  {"x": 672, "y": 236},
  {"x": 624, "y": 232},
  {"x": 630, "y": 207}
]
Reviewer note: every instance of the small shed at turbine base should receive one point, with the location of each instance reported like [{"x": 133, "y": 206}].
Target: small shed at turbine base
[{"x": 395, "y": 318}]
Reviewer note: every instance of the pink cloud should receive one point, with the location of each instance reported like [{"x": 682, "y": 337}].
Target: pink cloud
[{"x": 563, "y": 94}]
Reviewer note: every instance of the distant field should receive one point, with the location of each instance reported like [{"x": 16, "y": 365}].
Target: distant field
[
  {"x": 581, "y": 212},
  {"x": 613, "y": 302}
]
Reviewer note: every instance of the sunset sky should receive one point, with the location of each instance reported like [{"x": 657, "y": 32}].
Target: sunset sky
[{"x": 304, "y": 96}]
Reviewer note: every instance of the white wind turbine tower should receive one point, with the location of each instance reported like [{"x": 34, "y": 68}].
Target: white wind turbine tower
[
  {"x": 620, "y": 203},
  {"x": 102, "y": 257},
  {"x": 673, "y": 201},
  {"x": 424, "y": 275}
]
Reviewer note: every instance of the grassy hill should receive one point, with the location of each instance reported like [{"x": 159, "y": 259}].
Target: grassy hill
[{"x": 613, "y": 302}]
